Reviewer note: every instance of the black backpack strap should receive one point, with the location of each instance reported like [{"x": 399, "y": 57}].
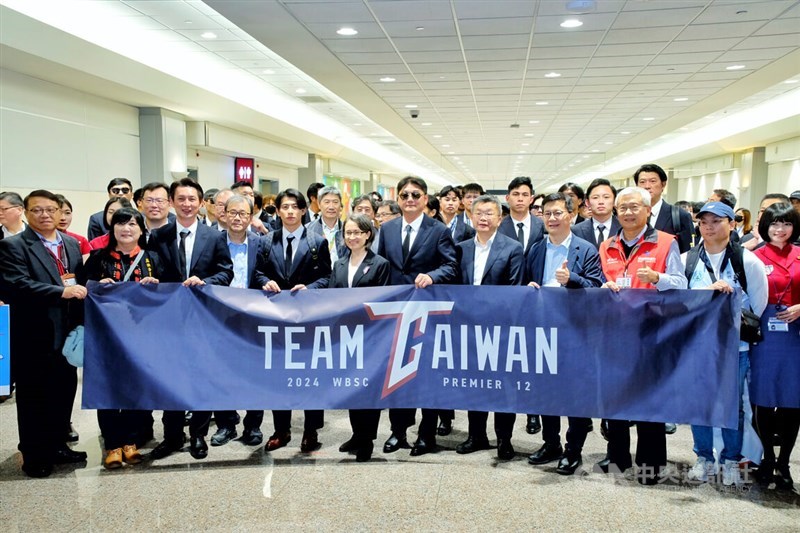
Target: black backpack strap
[
  {"x": 737, "y": 262},
  {"x": 692, "y": 258},
  {"x": 676, "y": 219}
]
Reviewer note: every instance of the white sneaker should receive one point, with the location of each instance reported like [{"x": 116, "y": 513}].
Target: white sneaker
[
  {"x": 731, "y": 474},
  {"x": 702, "y": 470}
]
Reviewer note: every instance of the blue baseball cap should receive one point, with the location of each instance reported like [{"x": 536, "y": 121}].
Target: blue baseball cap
[{"x": 719, "y": 209}]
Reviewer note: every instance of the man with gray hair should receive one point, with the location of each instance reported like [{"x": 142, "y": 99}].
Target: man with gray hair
[
  {"x": 329, "y": 224},
  {"x": 11, "y": 208}
]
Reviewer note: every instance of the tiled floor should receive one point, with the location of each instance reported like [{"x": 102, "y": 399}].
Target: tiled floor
[{"x": 238, "y": 488}]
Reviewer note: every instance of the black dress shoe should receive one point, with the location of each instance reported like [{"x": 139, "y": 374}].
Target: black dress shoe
[
  {"x": 223, "y": 436},
  {"x": 445, "y": 427},
  {"x": 568, "y": 465},
  {"x": 65, "y": 455},
  {"x": 166, "y": 447},
  {"x": 505, "y": 451},
  {"x": 646, "y": 476},
  {"x": 670, "y": 428},
  {"x": 37, "y": 469},
  {"x": 534, "y": 425},
  {"x": 764, "y": 475},
  {"x": 473, "y": 445},
  {"x": 350, "y": 446},
  {"x": 72, "y": 435},
  {"x": 606, "y": 466},
  {"x": 198, "y": 448},
  {"x": 364, "y": 452},
  {"x": 310, "y": 442},
  {"x": 395, "y": 442},
  {"x": 252, "y": 437},
  {"x": 783, "y": 478},
  {"x": 278, "y": 440},
  {"x": 421, "y": 447},
  {"x": 546, "y": 454}
]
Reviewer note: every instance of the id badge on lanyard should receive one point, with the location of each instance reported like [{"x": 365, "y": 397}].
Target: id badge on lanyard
[{"x": 776, "y": 324}]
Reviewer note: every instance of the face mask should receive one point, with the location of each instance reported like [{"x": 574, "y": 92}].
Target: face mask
[
  {"x": 738, "y": 218},
  {"x": 270, "y": 209}
]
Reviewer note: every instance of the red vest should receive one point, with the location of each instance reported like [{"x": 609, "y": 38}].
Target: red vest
[{"x": 652, "y": 251}]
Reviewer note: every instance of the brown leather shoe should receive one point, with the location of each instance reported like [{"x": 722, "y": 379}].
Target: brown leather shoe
[
  {"x": 278, "y": 440},
  {"x": 310, "y": 442},
  {"x": 113, "y": 459},
  {"x": 131, "y": 455}
]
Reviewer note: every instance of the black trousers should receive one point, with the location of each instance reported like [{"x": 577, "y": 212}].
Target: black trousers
[
  {"x": 503, "y": 424},
  {"x": 120, "y": 427},
  {"x": 651, "y": 447},
  {"x": 785, "y": 421},
  {"x": 402, "y": 419},
  {"x": 430, "y": 420},
  {"x": 173, "y": 424},
  {"x": 229, "y": 419},
  {"x": 576, "y": 432},
  {"x": 314, "y": 420},
  {"x": 364, "y": 423},
  {"x": 46, "y": 386}
]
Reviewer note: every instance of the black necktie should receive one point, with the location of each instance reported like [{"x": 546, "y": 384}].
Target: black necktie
[
  {"x": 288, "y": 260},
  {"x": 407, "y": 243},
  {"x": 182, "y": 253},
  {"x": 600, "y": 236},
  {"x": 521, "y": 234}
]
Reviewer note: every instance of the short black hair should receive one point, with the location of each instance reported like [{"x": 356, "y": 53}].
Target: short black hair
[
  {"x": 258, "y": 200},
  {"x": 776, "y": 196},
  {"x": 650, "y": 167},
  {"x": 726, "y": 197},
  {"x": 413, "y": 180},
  {"x": 433, "y": 205},
  {"x": 559, "y": 197},
  {"x": 364, "y": 224},
  {"x": 574, "y": 187},
  {"x": 118, "y": 181},
  {"x": 121, "y": 216},
  {"x": 473, "y": 187},
  {"x": 378, "y": 197},
  {"x": 447, "y": 189},
  {"x": 598, "y": 183},
  {"x": 40, "y": 193},
  {"x": 137, "y": 195},
  {"x": 295, "y": 194},
  {"x": 311, "y": 192},
  {"x": 153, "y": 185},
  {"x": 185, "y": 182},
  {"x": 209, "y": 195},
  {"x": 519, "y": 181},
  {"x": 364, "y": 198},
  {"x": 62, "y": 201},
  {"x": 780, "y": 212},
  {"x": 241, "y": 183},
  {"x": 697, "y": 207},
  {"x": 393, "y": 206}
]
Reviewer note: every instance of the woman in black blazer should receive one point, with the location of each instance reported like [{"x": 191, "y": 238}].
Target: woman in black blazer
[{"x": 361, "y": 268}]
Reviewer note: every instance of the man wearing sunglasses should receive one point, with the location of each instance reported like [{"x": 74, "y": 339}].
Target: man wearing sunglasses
[
  {"x": 421, "y": 252},
  {"x": 117, "y": 188}
]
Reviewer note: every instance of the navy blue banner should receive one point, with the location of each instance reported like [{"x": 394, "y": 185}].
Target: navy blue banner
[
  {"x": 632, "y": 355},
  {"x": 5, "y": 351}
]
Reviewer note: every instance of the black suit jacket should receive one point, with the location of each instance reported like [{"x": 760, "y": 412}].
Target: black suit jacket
[
  {"x": 664, "y": 223},
  {"x": 583, "y": 262},
  {"x": 463, "y": 232},
  {"x": 254, "y": 247},
  {"x": 585, "y": 230},
  {"x": 503, "y": 266},
  {"x": 31, "y": 284},
  {"x": 311, "y": 265},
  {"x": 211, "y": 260},
  {"x": 374, "y": 271},
  {"x": 509, "y": 228},
  {"x": 96, "y": 227},
  {"x": 433, "y": 252}
]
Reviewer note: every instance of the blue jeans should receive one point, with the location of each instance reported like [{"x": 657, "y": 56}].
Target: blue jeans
[{"x": 731, "y": 438}]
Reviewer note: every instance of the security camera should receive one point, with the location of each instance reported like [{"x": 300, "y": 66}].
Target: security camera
[{"x": 414, "y": 113}]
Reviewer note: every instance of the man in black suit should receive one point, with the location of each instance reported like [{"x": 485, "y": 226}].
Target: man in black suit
[
  {"x": 420, "y": 251},
  {"x": 116, "y": 188},
  {"x": 602, "y": 224},
  {"x": 562, "y": 260},
  {"x": 449, "y": 201},
  {"x": 489, "y": 259},
  {"x": 469, "y": 193},
  {"x": 37, "y": 279},
  {"x": 329, "y": 224},
  {"x": 313, "y": 211},
  {"x": 193, "y": 254},
  {"x": 665, "y": 217},
  {"x": 293, "y": 258}
]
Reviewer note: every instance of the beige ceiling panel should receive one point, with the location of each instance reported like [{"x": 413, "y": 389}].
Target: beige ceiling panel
[
  {"x": 609, "y": 72},
  {"x": 635, "y": 36},
  {"x": 605, "y": 80},
  {"x": 433, "y": 56},
  {"x": 430, "y": 28},
  {"x": 562, "y": 52},
  {"x": 436, "y": 77},
  {"x": 510, "y": 77},
  {"x": 327, "y": 30},
  {"x": 495, "y": 26},
  {"x": 343, "y": 45},
  {"x": 772, "y": 41},
  {"x": 350, "y": 13},
  {"x": 780, "y": 27},
  {"x": 496, "y": 42},
  {"x": 417, "y": 11},
  {"x": 498, "y": 55},
  {"x": 719, "y": 31},
  {"x": 700, "y": 45},
  {"x": 754, "y": 11},
  {"x": 582, "y": 38},
  {"x": 629, "y": 49},
  {"x": 720, "y": 66},
  {"x": 540, "y": 82},
  {"x": 196, "y": 35},
  {"x": 592, "y": 22},
  {"x": 389, "y": 59},
  {"x": 656, "y": 17},
  {"x": 439, "y": 68},
  {"x": 236, "y": 47},
  {"x": 426, "y": 44},
  {"x": 620, "y": 61},
  {"x": 496, "y": 66},
  {"x": 557, "y": 65},
  {"x": 686, "y": 58},
  {"x": 676, "y": 76},
  {"x": 739, "y": 56}
]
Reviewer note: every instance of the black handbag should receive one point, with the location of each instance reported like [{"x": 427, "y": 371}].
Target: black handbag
[{"x": 751, "y": 328}]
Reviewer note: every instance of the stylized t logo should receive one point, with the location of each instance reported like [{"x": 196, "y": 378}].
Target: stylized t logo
[{"x": 406, "y": 313}]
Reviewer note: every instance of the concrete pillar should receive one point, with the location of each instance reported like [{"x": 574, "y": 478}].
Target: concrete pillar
[{"x": 162, "y": 145}]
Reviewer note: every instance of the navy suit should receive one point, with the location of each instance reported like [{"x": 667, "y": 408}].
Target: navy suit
[
  {"x": 664, "y": 223},
  {"x": 503, "y": 267},
  {"x": 311, "y": 267},
  {"x": 463, "y": 232},
  {"x": 316, "y": 227},
  {"x": 211, "y": 262},
  {"x": 583, "y": 262},
  {"x": 585, "y": 230},
  {"x": 41, "y": 320},
  {"x": 433, "y": 253},
  {"x": 508, "y": 227}
]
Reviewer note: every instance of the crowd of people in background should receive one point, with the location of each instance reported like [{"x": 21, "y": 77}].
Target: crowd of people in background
[{"x": 574, "y": 238}]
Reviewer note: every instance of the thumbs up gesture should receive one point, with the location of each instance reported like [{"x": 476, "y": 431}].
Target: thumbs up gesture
[{"x": 562, "y": 274}]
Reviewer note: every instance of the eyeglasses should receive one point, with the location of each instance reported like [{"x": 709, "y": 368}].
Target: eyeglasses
[
  {"x": 39, "y": 211},
  {"x": 155, "y": 201},
  {"x": 633, "y": 208},
  {"x": 244, "y": 215},
  {"x": 120, "y": 190},
  {"x": 485, "y": 214},
  {"x": 536, "y": 208},
  {"x": 382, "y": 215},
  {"x": 553, "y": 214},
  {"x": 350, "y": 234},
  {"x": 416, "y": 195}
]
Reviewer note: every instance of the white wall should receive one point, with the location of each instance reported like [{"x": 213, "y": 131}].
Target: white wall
[
  {"x": 216, "y": 170},
  {"x": 67, "y": 141}
]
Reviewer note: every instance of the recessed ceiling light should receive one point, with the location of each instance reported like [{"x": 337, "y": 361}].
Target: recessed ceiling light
[
  {"x": 526, "y": 144},
  {"x": 426, "y": 124},
  {"x": 300, "y": 91},
  {"x": 595, "y": 151},
  {"x": 437, "y": 136},
  {"x": 268, "y": 71},
  {"x": 347, "y": 32},
  {"x": 523, "y": 152},
  {"x": 609, "y": 142},
  {"x": 357, "y": 124},
  {"x": 442, "y": 77},
  {"x": 681, "y": 99},
  {"x": 791, "y": 81},
  {"x": 735, "y": 67},
  {"x": 571, "y": 23},
  {"x": 529, "y": 135},
  {"x": 450, "y": 153},
  {"x": 387, "y": 79},
  {"x": 648, "y": 118},
  {"x": 533, "y": 122},
  {"x": 445, "y": 146},
  {"x": 188, "y": 22},
  {"x": 411, "y": 106},
  {"x": 625, "y": 132},
  {"x": 208, "y": 35},
  {"x": 542, "y": 103},
  {"x": 552, "y": 75}
]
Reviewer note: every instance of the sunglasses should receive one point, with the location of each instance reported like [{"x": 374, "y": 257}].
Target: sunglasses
[
  {"x": 120, "y": 190},
  {"x": 416, "y": 195}
]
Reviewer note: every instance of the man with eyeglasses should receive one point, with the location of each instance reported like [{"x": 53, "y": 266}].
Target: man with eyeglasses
[
  {"x": 155, "y": 204},
  {"x": 38, "y": 280},
  {"x": 639, "y": 257},
  {"x": 469, "y": 193},
  {"x": 11, "y": 208},
  {"x": 449, "y": 202},
  {"x": 244, "y": 247},
  {"x": 387, "y": 210},
  {"x": 562, "y": 260},
  {"x": 220, "y": 199},
  {"x": 116, "y": 188},
  {"x": 421, "y": 252},
  {"x": 367, "y": 206}
]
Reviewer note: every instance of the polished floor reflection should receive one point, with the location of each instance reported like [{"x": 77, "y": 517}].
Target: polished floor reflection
[{"x": 243, "y": 488}]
